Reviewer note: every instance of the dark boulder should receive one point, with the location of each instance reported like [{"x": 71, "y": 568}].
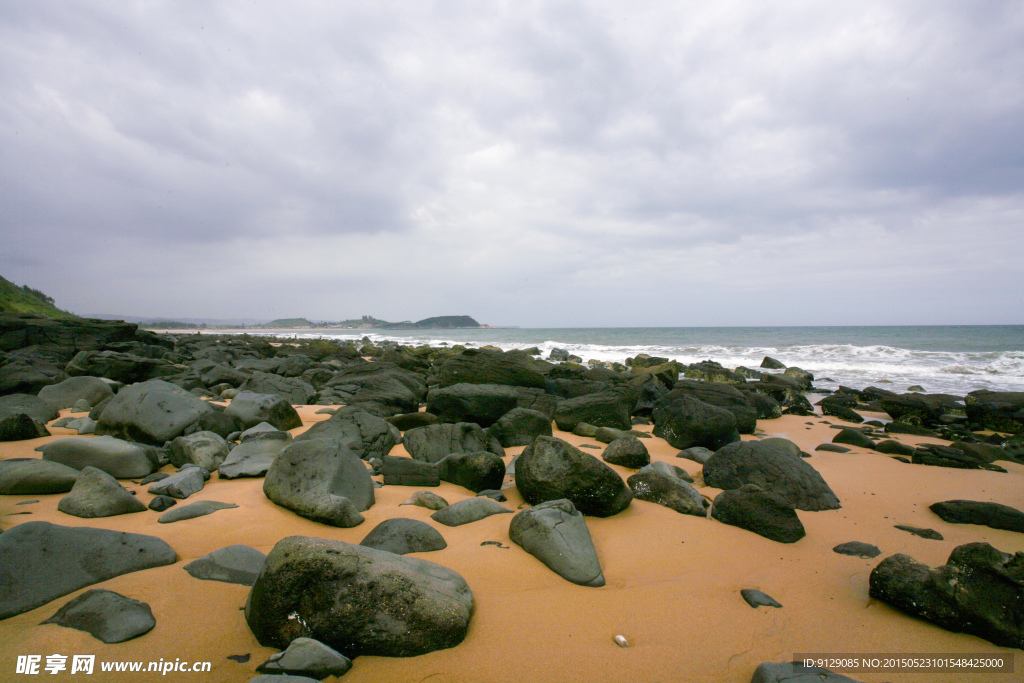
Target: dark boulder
[
  {"x": 33, "y": 406},
  {"x": 685, "y": 421},
  {"x": 118, "y": 458},
  {"x": 468, "y": 511},
  {"x": 434, "y": 442},
  {"x": 322, "y": 480},
  {"x": 520, "y": 426},
  {"x": 193, "y": 510},
  {"x": 107, "y": 616},
  {"x": 21, "y": 427},
  {"x": 756, "y": 598},
  {"x": 762, "y": 512},
  {"x": 122, "y": 367},
  {"x": 656, "y": 486},
  {"x": 980, "y": 591},
  {"x": 773, "y": 469},
  {"x": 305, "y": 659},
  {"x": 551, "y": 469},
  {"x": 857, "y": 549},
  {"x": 627, "y": 451},
  {"x": 368, "y": 436},
  {"x": 1000, "y": 411},
  {"x": 251, "y": 458},
  {"x": 854, "y": 437},
  {"x": 248, "y": 409},
  {"x": 946, "y": 456},
  {"x": 930, "y": 534},
  {"x": 66, "y": 393},
  {"x": 232, "y": 564},
  {"x": 402, "y": 536},
  {"x": 992, "y": 515},
  {"x": 483, "y": 404},
  {"x": 556, "y": 534},
  {"x": 928, "y": 409},
  {"x": 97, "y": 494},
  {"x": 603, "y": 409},
  {"x": 293, "y": 390},
  {"x": 32, "y": 476},
  {"x": 490, "y": 367},
  {"x": 40, "y": 561},
  {"x": 400, "y": 471},
  {"x": 181, "y": 484},
  {"x": 476, "y": 471},
  {"x": 770, "y": 363},
  {"x": 341, "y": 594},
  {"x": 721, "y": 395},
  {"x": 412, "y": 420},
  {"x": 152, "y": 412},
  {"x": 206, "y": 449}
]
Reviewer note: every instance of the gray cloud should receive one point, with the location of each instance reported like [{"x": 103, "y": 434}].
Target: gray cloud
[{"x": 557, "y": 163}]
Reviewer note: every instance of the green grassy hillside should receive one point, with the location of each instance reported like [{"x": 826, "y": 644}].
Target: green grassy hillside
[{"x": 25, "y": 300}]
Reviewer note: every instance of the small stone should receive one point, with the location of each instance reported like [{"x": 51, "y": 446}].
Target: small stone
[
  {"x": 621, "y": 641},
  {"x": 756, "y": 598}
]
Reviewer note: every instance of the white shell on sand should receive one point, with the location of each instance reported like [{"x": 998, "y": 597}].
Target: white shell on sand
[{"x": 621, "y": 641}]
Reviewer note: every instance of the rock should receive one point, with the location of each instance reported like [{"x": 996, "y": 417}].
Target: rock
[
  {"x": 980, "y": 591},
  {"x": 628, "y": 451},
  {"x": 982, "y": 452},
  {"x": 493, "y": 494},
  {"x": 181, "y": 484},
  {"x": 205, "y": 449},
  {"x": 756, "y": 598},
  {"x": 152, "y": 412},
  {"x": 97, "y": 494},
  {"x": 475, "y": 471},
  {"x": 801, "y": 377},
  {"x": 831, "y": 448},
  {"x": 974, "y": 512},
  {"x": 402, "y": 536},
  {"x": 426, "y": 499},
  {"x": 468, "y": 511},
  {"x": 412, "y": 420},
  {"x": 32, "y": 476},
  {"x": 945, "y": 456},
  {"x": 368, "y": 436},
  {"x": 696, "y": 454},
  {"x": 854, "y": 437},
  {"x": 120, "y": 459},
  {"x": 400, "y": 471},
  {"x": 252, "y": 458},
  {"x": 685, "y": 421},
  {"x": 292, "y": 389},
  {"x": 836, "y": 409},
  {"x": 721, "y": 395},
  {"x": 249, "y": 409},
  {"x": 33, "y": 406},
  {"x": 82, "y": 425},
  {"x": 281, "y": 678},
  {"x": 768, "y": 466},
  {"x": 924, "y": 409},
  {"x": 609, "y": 434},
  {"x": 21, "y": 427},
  {"x": 322, "y": 480},
  {"x": 668, "y": 470},
  {"x": 490, "y": 367},
  {"x": 192, "y": 510},
  {"x": 551, "y": 469},
  {"x": 107, "y": 616},
  {"x": 264, "y": 430},
  {"x": 796, "y": 672},
  {"x": 434, "y": 442},
  {"x": 483, "y": 404},
  {"x": 770, "y": 363},
  {"x": 306, "y": 657},
  {"x": 857, "y": 549},
  {"x": 232, "y": 564},
  {"x": 161, "y": 503},
  {"x": 762, "y": 512},
  {"x": 81, "y": 406},
  {"x": 603, "y": 409},
  {"x": 672, "y": 492},
  {"x": 890, "y": 447},
  {"x": 366, "y": 602},
  {"x": 1000, "y": 411},
  {"x": 585, "y": 429},
  {"x": 122, "y": 367},
  {"x": 520, "y": 426},
  {"x": 556, "y": 534},
  {"x": 930, "y": 534},
  {"x": 40, "y": 561}
]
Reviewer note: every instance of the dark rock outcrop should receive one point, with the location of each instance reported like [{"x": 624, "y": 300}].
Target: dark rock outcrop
[
  {"x": 551, "y": 469},
  {"x": 248, "y": 409},
  {"x": 721, "y": 395},
  {"x": 152, "y": 412},
  {"x": 435, "y": 442},
  {"x": 490, "y": 367},
  {"x": 992, "y": 515},
  {"x": 1001, "y": 411},
  {"x": 685, "y": 421},
  {"x": 483, "y": 404},
  {"x": 520, "y": 426},
  {"x": 762, "y": 512},
  {"x": 602, "y": 409}
]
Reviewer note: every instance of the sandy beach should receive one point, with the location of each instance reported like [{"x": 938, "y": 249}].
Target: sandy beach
[{"x": 673, "y": 580}]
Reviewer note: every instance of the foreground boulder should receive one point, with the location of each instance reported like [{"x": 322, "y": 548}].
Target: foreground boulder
[
  {"x": 685, "y": 422},
  {"x": 251, "y": 458},
  {"x": 479, "y": 403},
  {"x": 357, "y": 600},
  {"x": 97, "y": 494},
  {"x": 368, "y": 436},
  {"x": 248, "y": 409},
  {"x": 206, "y": 449},
  {"x": 40, "y": 561},
  {"x": 306, "y": 658},
  {"x": 656, "y": 486},
  {"x": 232, "y": 564},
  {"x": 73, "y": 389},
  {"x": 980, "y": 591},
  {"x": 477, "y": 471},
  {"x": 152, "y": 412},
  {"x": 107, "y": 616},
  {"x": 120, "y": 459},
  {"x": 762, "y": 512},
  {"x": 21, "y": 427},
  {"x": 551, "y": 469},
  {"x": 435, "y": 442},
  {"x": 490, "y": 367},
  {"x": 975, "y": 512},
  {"x": 556, "y": 534},
  {"x": 520, "y": 426},
  {"x": 773, "y": 469},
  {"x": 601, "y": 409},
  {"x": 1001, "y": 411},
  {"x": 32, "y": 476},
  {"x": 322, "y": 480}
]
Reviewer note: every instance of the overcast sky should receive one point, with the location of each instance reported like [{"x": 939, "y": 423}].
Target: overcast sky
[{"x": 540, "y": 164}]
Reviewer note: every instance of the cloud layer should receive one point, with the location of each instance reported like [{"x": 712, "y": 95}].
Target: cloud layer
[{"x": 529, "y": 163}]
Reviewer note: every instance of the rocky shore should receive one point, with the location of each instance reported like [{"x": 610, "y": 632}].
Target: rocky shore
[{"x": 384, "y": 512}]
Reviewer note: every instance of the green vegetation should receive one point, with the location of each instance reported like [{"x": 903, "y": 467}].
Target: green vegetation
[
  {"x": 288, "y": 322},
  {"x": 27, "y": 301}
]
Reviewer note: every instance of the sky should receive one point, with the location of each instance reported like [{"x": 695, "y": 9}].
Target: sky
[{"x": 537, "y": 164}]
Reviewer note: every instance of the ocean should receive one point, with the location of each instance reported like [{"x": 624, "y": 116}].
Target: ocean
[{"x": 941, "y": 359}]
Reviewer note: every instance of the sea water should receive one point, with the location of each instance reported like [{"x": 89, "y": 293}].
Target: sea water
[{"x": 941, "y": 359}]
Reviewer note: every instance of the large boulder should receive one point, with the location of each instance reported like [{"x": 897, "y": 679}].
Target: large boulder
[
  {"x": 1001, "y": 411},
  {"x": 468, "y": 511},
  {"x": 479, "y": 403},
  {"x": 152, "y": 412},
  {"x": 97, "y": 494},
  {"x": 490, "y": 367},
  {"x": 685, "y": 421},
  {"x": 293, "y": 390},
  {"x": 251, "y": 458},
  {"x": 627, "y": 451},
  {"x": 232, "y": 564},
  {"x": 248, "y": 409},
  {"x": 556, "y": 534},
  {"x": 656, "y": 486},
  {"x": 66, "y": 393},
  {"x": 21, "y": 427},
  {"x": 322, "y": 480},
  {"x": 551, "y": 469},
  {"x": 118, "y": 458},
  {"x": 992, "y": 515},
  {"x": 435, "y": 442},
  {"x": 357, "y": 600},
  {"x": 980, "y": 591},
  {"x": 33, "y": 406},
  {"x": 722, "y": 395},
  {"x": 402, "y": 536},
  {"x": 773, "y": 469},
  {"x": 181, "y": 484},
  {"x": 476, "y": 471},
  {"x": 206, "y": 449},
  {"x": 762, "y": 512},
  {"x": 40, "y": 561},
  {"x": 33, "y": 476},
  {"x": 602, "y": 409},
  {"x": 122, "y": 367},
  {"x": 368, "y": 436},
  {"x": 107, "y": 616},
  {"x": 520, "y": 426},
  {"x": 928, "y": 409}
]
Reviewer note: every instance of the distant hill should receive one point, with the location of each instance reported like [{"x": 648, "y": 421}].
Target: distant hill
[
  {"x": 288, "y": 322},
  {"x": 25, "y": 300},
  {"x": 448, "y": 321}
]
